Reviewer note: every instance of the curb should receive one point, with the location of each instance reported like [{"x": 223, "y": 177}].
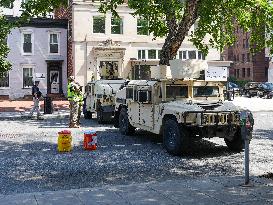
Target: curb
[{"x": 17, "y": 116}]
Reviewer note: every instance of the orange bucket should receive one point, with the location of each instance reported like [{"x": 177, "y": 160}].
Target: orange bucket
[{"x": 90, "y": 140}]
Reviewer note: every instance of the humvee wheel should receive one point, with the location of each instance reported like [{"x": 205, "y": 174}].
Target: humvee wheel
[
  {"x": 248, "y": 95},
  {"x": 100, "y": 116},
  {"x": 237, "y": 144},
  {"x": 125, "y": 127},
  {"x": 87, "y": 115},
  {"x": 175, "y": 140}
]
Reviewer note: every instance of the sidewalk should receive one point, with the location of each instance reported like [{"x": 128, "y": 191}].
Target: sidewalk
[
  {"x": 20, "y": 109},
  {"x": 210, "y": 191}
]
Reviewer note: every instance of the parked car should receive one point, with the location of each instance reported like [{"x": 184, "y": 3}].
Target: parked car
[
  {"x": 251, "y": 89},
  {"x": 265, "y": 90},
  {"x": 234, "y": 88}
]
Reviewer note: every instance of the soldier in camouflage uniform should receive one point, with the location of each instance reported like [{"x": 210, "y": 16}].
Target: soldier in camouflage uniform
[
  {"x": 80, "y": 97},
  {"x": 72, "y": 95}
]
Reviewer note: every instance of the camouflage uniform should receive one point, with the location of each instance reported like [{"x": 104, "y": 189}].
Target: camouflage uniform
[
  {"x": 80, "y": 97},
  {"x": 73, "y": 103}
]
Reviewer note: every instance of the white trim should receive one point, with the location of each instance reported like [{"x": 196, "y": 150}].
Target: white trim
[
  {"x": 58, "y": 39},
  {"x": 33, "y": 76},
  {"x": 27, "y": 31}
]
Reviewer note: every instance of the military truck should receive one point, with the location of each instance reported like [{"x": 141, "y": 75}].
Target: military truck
[
  {"x": 187, "y": 106},
  {"x": 100, "y": 98}
]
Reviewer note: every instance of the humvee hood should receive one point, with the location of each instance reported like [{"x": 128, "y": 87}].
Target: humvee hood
[{"x": 200, "y": 106}]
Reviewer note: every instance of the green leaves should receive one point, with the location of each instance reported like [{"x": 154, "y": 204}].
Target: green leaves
[{"x": 217, "y": 21}]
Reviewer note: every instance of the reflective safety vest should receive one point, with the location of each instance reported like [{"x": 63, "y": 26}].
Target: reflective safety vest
[{"x": 71, "y": 94}]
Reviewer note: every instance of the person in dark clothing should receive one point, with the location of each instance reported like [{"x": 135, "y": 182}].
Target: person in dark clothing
[{"x": 36, "y": 94}]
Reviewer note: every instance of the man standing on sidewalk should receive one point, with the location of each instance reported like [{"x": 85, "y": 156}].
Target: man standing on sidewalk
[
  {"x": 36, "y": 94},
  {"x": 73, "y": 99}
]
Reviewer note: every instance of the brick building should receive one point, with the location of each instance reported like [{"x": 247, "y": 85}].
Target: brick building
[{"x": 246, "y": 66}]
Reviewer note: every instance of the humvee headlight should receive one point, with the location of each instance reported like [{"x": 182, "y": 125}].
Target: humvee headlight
[{"x": 204, "y": 119}]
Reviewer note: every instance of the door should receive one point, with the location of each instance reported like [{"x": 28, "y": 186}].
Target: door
[
  {"x": 54, "y": 77},
  {"x": 54, "y": 81}
]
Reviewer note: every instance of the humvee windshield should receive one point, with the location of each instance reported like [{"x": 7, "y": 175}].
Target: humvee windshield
[
  {"x": 205, "y": 91},
  {"x": 174, "y": 91}
]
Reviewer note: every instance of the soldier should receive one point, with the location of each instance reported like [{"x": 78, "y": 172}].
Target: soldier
[
  {"x": 80, "y": 96},
  {"x": 73, "y": 99}
]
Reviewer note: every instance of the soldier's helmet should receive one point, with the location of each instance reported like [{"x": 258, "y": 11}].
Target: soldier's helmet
[{"x": 71, "y": 78}]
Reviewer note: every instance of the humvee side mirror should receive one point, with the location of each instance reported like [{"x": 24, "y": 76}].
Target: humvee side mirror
[{"x": 144, "y": 96}]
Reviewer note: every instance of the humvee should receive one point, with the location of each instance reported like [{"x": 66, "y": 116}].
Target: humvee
[
  {"x": 99, "y": 98},
  {"x": 187, "y": 106}
]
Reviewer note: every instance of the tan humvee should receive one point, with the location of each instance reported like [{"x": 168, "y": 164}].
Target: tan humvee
[
  {"x": 100, "y": 98},
  {"x": 180, "y": 108}
]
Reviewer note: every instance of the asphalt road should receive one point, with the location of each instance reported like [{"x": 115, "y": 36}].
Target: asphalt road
[{"x": 29, "y": 161}]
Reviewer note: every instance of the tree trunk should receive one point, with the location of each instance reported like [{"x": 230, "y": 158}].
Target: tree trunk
[{"x": 177, "y": 33}]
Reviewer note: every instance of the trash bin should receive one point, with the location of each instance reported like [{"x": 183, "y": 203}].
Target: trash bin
[{"x": 48, "y": 105}]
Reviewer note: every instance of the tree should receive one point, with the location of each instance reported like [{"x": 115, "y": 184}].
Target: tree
[
  {"x": 32, "y": 8},
  {"x": 217, "y": 19}
]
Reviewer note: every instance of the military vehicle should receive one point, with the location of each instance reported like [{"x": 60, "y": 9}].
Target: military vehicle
[
  {"x": 100, "y": 98},
  {"x": 188, "y": 105}
]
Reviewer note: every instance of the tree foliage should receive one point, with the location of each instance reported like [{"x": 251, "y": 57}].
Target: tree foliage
[
  {"x": 172, "y": 19},
  {"x": 217, "y": 20}
]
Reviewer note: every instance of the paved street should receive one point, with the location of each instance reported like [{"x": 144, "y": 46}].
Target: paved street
[{"x": 29, "y": 161}]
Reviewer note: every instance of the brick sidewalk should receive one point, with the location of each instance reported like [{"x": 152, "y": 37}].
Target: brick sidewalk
[{"x": 25, "y": 105}]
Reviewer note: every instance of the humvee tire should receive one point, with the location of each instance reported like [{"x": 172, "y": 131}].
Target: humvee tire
[
  {"x": 125, "y": 127},
  {"x": 175, "y": 139},
  {"x": 100, "y": 116},
  {"x": 87, "y": 115},
  {"x": 237, "y": 144}
]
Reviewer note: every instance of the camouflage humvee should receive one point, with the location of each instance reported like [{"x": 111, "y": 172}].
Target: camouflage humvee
[{"x": 180, "y": 109}]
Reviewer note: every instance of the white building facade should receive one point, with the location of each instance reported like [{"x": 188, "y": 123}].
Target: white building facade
[
  {"x": 122, "y": 45},
  {"x": 38, "y": 52}
]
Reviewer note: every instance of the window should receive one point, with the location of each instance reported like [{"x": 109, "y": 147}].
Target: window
[
  {"x": 141, "y": 54},
  {"x": 4, "y": 79},
  {"x": 98, "y": 24},
  {"x": 234, "y": 57},
  {"x": 27, "y": 43},
  {"x": 141, "y": 72},
  {"x": 244, "y": 43},
  {"x": 54, "y": 43},
  {"x": 116, "y": 26},
  {"x": 248, "y": 72},
  {"x": 142, "y": 27},
  {"x": 201, "y": 55},
  {"x": 174, "y": 91},
  {"x": 243, "y": 58},
  {"x": 184, "y": 54},
  {"x": 238, "y": 73},
  {"x": 27, "y": 77},
  {"x": 244, "y": 73},
  {"x": 205, "y": 91},
  {"x": 180, "y": 55},
  {"x": 238, "y": 59},
  {"x": 192, "y": 54},
  {"x": 151, "y": 54},
  {"x": 248, "y": 57}
]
